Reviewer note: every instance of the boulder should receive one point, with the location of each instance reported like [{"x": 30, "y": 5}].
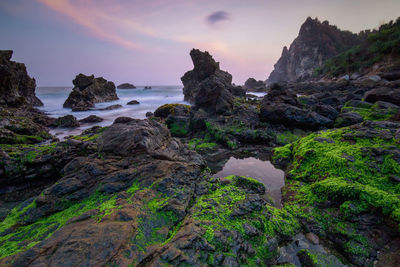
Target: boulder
[
  {"x": 91, "y": 119},
  {"x": 391, "y": 95},
  {"x": 17, "y": 88},
  {"x": 208, "y": 87},
  {"x": 347, "y": 119},
  {"x": 133, "y": 102},
  {"x": 126, "y": 86},
  {"x": 252, "y": 85},
  {"x": 67, "y": 121},
  {"x": 281, "y": 106},
  {"x": 89, "y": 90},
  {"x": 172, "y": 109}
]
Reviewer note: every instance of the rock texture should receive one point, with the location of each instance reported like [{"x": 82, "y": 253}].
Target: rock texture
[
  {"x": 252, "y": 85},
  {"x": 89, "y": 90},
  {"x": 17, "y": 88},
  {"x": 283, "y": 107},
  {"x": 207, "y": 86},
  {"x": 317, "y": 41}
]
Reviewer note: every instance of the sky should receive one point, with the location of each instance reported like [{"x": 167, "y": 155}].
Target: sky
[{"x": 148, "y": 42}]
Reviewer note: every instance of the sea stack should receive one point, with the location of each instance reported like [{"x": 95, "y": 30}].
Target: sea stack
[
  {"x": 89, "y": 90},
  {"x": 207, "y": 86},
  {"x": 17, "y": 88}
]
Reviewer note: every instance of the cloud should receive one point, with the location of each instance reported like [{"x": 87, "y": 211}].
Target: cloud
[{"x": 217, "y": 17}]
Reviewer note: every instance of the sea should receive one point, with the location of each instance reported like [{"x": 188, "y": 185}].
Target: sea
[{"x": 150, "y": 99}]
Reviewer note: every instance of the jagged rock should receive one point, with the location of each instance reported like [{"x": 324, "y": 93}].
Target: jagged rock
[
  {"x": 92, "y": 119},
  {"x": 252, "y": 85},
  {"x": 67, "y": 121},
  {"x": 133, "y": 102},
  {"x": 391, "y": 95},
  {"x": 126, "y": 86},
  {"x": 317, "y": 41},
  {"x": 282, "y": 107},
  {"x": 16, "y": 87},
  {"x": 89, "y": 90},
  {"x": 207, "y": 86}
]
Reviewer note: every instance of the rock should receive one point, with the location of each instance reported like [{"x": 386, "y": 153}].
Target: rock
[
  {"x": 374, "y": 78},
  {"x": 317, "y": 41},
  {"x": 89, "y": 90},
  {"x": 238, "y": 91},
  {"x": 326, "y": 111},
  {"x": 252, "y": 85},
  {"x": 147, "y": 87},
  {"x": 172, "y": 109},
  {"x": 344, "y": 78},
  {"x": 313, "y": 238},
  {"x": 91, "y": 119},
  {"x": 123, "y": 120},
  {"x": 386, "y": 94},
  {"x": 207, "y": 86},
  {"x": 126, "y": 86},
  {"x": 112, "y": 107},
  {"x": 347, "y": 119},
  {"x": 149, "y": 114},
  {"x": 17, "y": 88},
  {"x": 144, "y": 135},
  {"x": 67, "y": 121},
  {"x": 133, "y": 102},
  {"x": 355, "y": 76},
  {"x": 392, "y": 75},
  {"x": 282, "y": 107}
]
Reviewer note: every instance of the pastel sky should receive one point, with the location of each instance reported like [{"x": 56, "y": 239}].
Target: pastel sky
[{"x": 148, "y": 42}]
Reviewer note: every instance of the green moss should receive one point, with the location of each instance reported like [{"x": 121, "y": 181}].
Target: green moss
[
  {"x": 24, "y": 153},
  {"x": 371, "y": 112},
  {"x": 179, "y": 128},
  {"x": 216, "y": 211},
  {"x": 342, "y": 171},
  {"x": 287, "y": 138},
  {"x": 24, "y": 237}
]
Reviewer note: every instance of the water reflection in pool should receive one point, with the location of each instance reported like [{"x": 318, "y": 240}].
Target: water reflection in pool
[{"x": 263, "y": 171}]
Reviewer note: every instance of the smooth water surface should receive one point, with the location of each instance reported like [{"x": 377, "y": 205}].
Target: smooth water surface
[{"x": 263, "y": 171}]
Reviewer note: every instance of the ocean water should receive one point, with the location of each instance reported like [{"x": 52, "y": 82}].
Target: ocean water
[{"x": 150, "y": 99}]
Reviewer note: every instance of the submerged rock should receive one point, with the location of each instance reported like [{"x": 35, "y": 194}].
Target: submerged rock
[
  {"x": 133, "y": 102},
  {"x": 67, "y": 121},
  {"x": 92, "y": 119},
  {"x": 89, "y": 90},
  {"x": 112, "y": 107},
  {"x": 17, "y": 88}
]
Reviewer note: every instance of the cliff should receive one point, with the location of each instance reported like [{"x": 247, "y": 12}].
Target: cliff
[{"x": 317, "y": 42}]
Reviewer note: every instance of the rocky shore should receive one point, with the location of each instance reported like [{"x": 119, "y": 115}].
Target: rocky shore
[{"x": 141, "y": 192}]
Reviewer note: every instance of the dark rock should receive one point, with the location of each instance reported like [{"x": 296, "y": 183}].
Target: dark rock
[
  {"x": 147, "y": 87},
  {"x": 172, "y": 109},
  {"x": 252, "y": 85},
  {"x": 126, "y": 86},
  {"x": 386, "y": 94},
  {"x": 91, "y": 119},
  {"x": 238, "y": 91},
  {"x": 348, "y": 118},
  {"x": 67, "y": 121},
  {"x": 207, "y": 86},
  {"x": 149, "y": 114},
  {"x": 123, "y": 120},
  {"x": 89, "y": 90},
  {"x": 326, "y": 111},
  {"x": 133, "y": 102},
  {"x": 112, "y": 107},
  {"x": 17, "y": 88}
]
